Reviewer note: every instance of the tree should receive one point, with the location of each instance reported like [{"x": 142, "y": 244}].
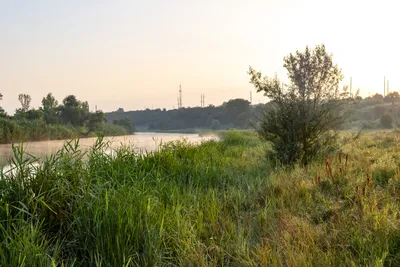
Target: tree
[
  {"x": 215, "y": 124},
  {"x": 96, "y": 121},
  {"x": 25, "y": 101},
  {"x": 126, "y": 123},
  {"x": 34, "y": 114},
  {"x": 74, "y": 111},
  {"x": 392, "y": 97},
  {"x": 377, "y": 97},
  {"x": 50, "y": 109},
  {"x": 386, "y": 121},
  {"x": 304, "y": 116},
  {"x": 3, "y": 113}
]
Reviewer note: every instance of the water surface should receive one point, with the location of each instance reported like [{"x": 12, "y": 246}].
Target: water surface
[{"x": 138, "y": 141}]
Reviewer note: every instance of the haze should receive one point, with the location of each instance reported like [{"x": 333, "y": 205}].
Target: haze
[{"x": 134, "y": 54}]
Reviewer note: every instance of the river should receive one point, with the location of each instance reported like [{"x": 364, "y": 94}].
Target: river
[{"x": 138, "y": 141}]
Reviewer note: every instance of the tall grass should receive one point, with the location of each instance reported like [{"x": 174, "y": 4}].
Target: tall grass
[
  {"x": 37, "y": 130},
  {"x": 217, "y": 204}
]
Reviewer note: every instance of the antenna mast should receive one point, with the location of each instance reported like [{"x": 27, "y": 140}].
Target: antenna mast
[
  {"x": 384, "y": 85},
  {"x": 351, "y": 85},
  {"x": 180, "y": 97},
  {"x": 387, "y": 87}
]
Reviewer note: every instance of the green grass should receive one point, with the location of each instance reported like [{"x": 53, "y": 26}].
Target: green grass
[
  {"x": 12, "y": 131},
  {"x": 217, "y": 204}
]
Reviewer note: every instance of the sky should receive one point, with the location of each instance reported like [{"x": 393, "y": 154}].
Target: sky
[{"x": 135, "y": 54}]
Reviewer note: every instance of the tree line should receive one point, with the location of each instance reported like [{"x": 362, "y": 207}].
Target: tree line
[
  {"x": 53, "y": 120},
  {"x": 235, "y": 113}
]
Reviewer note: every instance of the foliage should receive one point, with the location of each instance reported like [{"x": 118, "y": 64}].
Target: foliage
[
  {"x": 25, "y": 101},
  {"x": 73, "y": 111},
  {"x": 386, "y": 121},
  {"x": 305, "y": 116},
  {"x": 125, "y": 123},
  {"x": 113, "y": 130},
  {"x": 392, "y": 97},
  {"x": 53, "y": 121},
  {"x": 50, "y": 109},
  {"x": 218, "y": 204},
  {"x": 235, "y": 113},
  {"x": 215, "y": 124}
]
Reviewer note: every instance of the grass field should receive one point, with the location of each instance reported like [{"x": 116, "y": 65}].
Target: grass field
[{"x": 217, "y": 204}]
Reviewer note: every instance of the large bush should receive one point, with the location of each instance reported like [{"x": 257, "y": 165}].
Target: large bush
[
  {"x": 306, "y": 114},
  {"x": 386, "y": 121}
]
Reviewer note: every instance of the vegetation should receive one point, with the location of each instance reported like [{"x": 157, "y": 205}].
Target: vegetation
[
  {"x": 362, "y": 113},
  {"x": 306, "y": 116},
  {"x": 216, "y": 204},
  {"x": 235, "y": 113},
  {"x": 71, "y": 119},
  {"x": 386, "y": 121}
]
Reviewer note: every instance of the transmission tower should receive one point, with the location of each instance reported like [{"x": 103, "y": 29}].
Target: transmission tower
[
  {"x": 180, "y": 97},
  {"x": 202, "y": 100},
  {"x": 387, "y": 87},
  {"x": 351, "y": 85},
  {"x": 384, "y": 85}
]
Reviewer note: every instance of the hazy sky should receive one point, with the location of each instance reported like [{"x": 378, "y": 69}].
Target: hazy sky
[{"x": 134, "y": 54}]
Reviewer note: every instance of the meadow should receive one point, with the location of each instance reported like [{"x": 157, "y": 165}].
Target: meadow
[{"x": 222, "y": 203}]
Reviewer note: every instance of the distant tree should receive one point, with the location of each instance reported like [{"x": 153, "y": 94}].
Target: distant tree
[
  {"x": 25, "y": 101},
  {"x": 392, "y": 97},
  {"x": 3, "y": 113},
  {"x": 377, "y": 97},
  {"x": 34, "y": 114},
  {"x": 305, "y": 116},
  {"x": 233, "y": 109},
  {"x": 236, "y": 106},
  {"x": 50, "y": 109},
  {"x": 386, "y": 121},
  {"x": 215, "y": 124},
  {"x": 126, "y": 123},
  {"x": 96, "y": 121},
  {"x": 74, "y": 111},
  {"x": 379, "y": 110}
]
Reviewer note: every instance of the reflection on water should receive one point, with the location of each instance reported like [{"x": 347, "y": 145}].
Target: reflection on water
[{"x": 139, "y": 141}]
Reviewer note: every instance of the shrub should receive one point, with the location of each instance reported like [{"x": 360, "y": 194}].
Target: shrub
[
  {"x": 386, "y": 121},
  {"x": 305, "y": 116}
]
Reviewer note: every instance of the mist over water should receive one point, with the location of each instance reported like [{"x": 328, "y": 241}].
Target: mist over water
[{"x": 138, "y": 141}]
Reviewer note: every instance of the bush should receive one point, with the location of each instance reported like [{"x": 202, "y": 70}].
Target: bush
[
  {"x": 113, "y": 130},
  {"x": 305, "y": 117},
  {"x": 386, "y": 121}
]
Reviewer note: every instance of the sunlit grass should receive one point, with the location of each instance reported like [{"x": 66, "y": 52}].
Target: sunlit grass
[{"x": 217, "y": 204}]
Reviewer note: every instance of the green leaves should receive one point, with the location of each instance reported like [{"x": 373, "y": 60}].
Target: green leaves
[{"x": 302, "y": 118}]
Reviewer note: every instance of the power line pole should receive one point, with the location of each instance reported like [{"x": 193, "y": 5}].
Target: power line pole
[
  {"x": 180, "y": 97},
  {"x": 384, "y": 85},
  {"x": 387, "y": 86},
  {"x": 251, "y": 98},
  {"x": 351, "y": 85},
  {"x": 202, "y": 101}
]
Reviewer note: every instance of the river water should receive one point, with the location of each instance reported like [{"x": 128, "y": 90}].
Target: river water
[{"x": 138, "y": 141}]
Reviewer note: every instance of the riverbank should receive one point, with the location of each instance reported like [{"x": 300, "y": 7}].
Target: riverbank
[
  {"x": 17, "y": 131},
  {"x": 220, "y": 203},
  {"x": 148, "y": 141}
]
